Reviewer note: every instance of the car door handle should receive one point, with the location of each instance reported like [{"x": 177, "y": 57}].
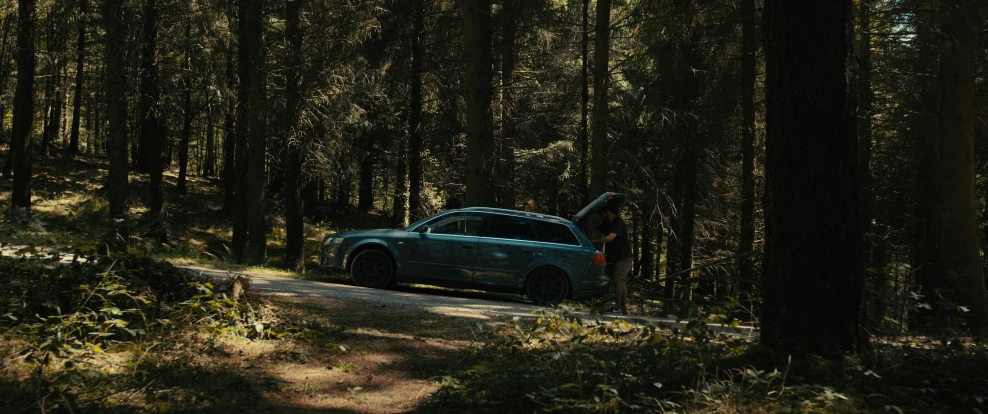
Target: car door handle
[
  {"x": 467, "y": 246},
  {"x": 528, "y": 251}
]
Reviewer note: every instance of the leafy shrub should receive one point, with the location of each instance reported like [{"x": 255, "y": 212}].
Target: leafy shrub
[
  {"x": 63, "y": 317},
  {"x": 561, "y": 364}
]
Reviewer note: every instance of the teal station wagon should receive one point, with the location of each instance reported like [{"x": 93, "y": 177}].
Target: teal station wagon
[{"x": 545, "y": 257}]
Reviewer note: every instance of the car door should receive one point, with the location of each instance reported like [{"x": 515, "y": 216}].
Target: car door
[
  {"x": 506, "y": 249},
  {"x": 443, "y": 248}
]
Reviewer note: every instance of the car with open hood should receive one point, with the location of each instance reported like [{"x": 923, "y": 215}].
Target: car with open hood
[{"x": 547, "y": 258}]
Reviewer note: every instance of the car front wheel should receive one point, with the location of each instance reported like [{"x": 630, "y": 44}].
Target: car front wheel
[
  {"x": 373, "y": 269},
  {"x": 548, "y": 286}
]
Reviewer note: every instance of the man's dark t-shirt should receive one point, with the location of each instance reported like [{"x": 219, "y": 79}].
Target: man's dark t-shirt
[{"x": 619, "y": 248}]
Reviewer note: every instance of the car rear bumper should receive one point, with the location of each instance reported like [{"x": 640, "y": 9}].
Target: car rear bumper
[{"x": 592, "y": 287}]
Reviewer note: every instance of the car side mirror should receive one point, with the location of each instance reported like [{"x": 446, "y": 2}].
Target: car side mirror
[{"x": 424, "y": 230}]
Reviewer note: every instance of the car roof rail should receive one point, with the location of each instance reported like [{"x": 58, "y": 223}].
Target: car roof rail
[{"x": 516, "y": 213}]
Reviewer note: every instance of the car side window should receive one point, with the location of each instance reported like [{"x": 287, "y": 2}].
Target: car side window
[
  {"x": 510, "y": 227},
  {"x": 555, "y": 233},
  {"x": 459, "y": 224}
]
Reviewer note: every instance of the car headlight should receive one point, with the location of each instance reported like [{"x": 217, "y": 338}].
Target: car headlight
[{"x": 331, "y": 246}]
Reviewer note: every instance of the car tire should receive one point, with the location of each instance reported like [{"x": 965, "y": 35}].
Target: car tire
[
  {"x": 547, "y": 286},
  {"x": 373, "y": 268}
]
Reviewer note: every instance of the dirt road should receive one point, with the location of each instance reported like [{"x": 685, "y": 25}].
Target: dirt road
[{"x": 472, "y": 308}]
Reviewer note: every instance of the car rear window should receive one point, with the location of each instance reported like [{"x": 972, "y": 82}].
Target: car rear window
[
  {"x": 508, "y": 227},
  {"x": 555, "y": 233}
]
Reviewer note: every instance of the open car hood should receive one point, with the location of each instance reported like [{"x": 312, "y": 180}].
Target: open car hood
[{"x": 605, "y": 200}]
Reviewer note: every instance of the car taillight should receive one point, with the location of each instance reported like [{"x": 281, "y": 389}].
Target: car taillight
[{"x": 599, "y": 260}]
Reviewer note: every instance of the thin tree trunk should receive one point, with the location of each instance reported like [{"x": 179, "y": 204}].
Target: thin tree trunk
[
  {"x": 80, "y": 76},
  {"x": 873, "y": 274},
  {"x": 647, "y": 262},
  {"x": 584, "y": 145},
  {"x": 89, "y": 123},
  {"x": 116, "y": 102},
  {"x": 229, "y": 134},
  {"x": 294, "y": 207},
  {"x": 151, "y": 136},
  {"x": 687, "y": 220},
  {"x": 249, "y": 230},
  {"x": 21, "y": 148},
  {"x": 926, "y": 249},
  {"x": 959, "y": 240},
  {"x": 480, "y": 132},
  {"x": 674, "y": 209},
  {"x": 189, "y": 114},
  {"x": 365, "y": 194},
  {"x": 3, "y": 119},
  {"x": 8, "y": 165},
  {"x": 415, "y": 117},
  {"x": 55, "y": 110},
  {"x": 602, "y": 48},
  {"x": 688, "y": 130},
  {"x": 401, "y": 186},
  {"x": 509, "y": 15},
  {"x": 813, "y": 248},
  {"x": 209, "y": 163},
  {"x": 747, "y": 239},
  {"x": 635, "y": 246}
]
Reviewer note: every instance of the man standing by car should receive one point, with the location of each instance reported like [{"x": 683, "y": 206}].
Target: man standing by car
[{"x": 617, "y": 248}]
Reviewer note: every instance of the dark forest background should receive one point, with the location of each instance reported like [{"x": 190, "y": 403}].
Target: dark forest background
[{"x": 871, "y": 189}]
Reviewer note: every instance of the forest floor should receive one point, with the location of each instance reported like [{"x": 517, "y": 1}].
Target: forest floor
[{"x": 345, "y": 355}]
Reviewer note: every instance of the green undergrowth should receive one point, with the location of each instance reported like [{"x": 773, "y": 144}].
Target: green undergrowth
[
  {"x": 561, "y": 364},
  {"x": 116, "y": 333}
]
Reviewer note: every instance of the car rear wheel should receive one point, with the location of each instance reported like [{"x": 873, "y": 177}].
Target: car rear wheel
[
  {"x": 547, "y": 286},
  {"x": 373, "y": 269}
]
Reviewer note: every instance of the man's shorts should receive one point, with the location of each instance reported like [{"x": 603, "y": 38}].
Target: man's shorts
[{"x": 619, "y": 270}]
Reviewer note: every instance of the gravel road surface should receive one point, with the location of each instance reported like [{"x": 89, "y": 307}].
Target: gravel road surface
[
  {"x": 435, "y": 301},
  {"x": 472, "y": 308}
]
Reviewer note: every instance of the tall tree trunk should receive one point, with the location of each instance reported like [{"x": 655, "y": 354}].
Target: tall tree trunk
[
  {"x": 687, "y": 219},
  {"x": 8, "y": 165},
  {"x": 601, "y": 51},
  {"x": 865, "y": 97},
  {"x": 80, "y": 77},
  {"x": 688, "y": 131},
  {"x": 294, "y": 227},
  {"x": 249, "y": 230},
  {"x": 151, "y": 135},
  {"x": 959, "y": 240},
  {"x": 3, "y": 119},
  {"x": 747, "y": 240},
  {"x": 20, "y": 193},
  {"x": 398, "y": 211},
  {"x": 415, "y": 116},
  {"x": 209, "y": 163},
  {"x": 584, "y": 144},
  {"x": 813, "y": 248},
  {"x": 874, "y": 276},
  {"x": 55, "y": 109},
  {"x": 647, "y": 262},
  {"x": 365, "y": 194},
  {"x": 229, "y": 134},
  {"x": 188, "y": 112},
  {"x": 509, "y": 16},
  {"x": 479, "y": 91},
  {"x": 116, "y": 102},
  {"x": 634, "y": 234},
  {"x": 926, "y": 249},
  {"x": 674, "y": 209}
]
